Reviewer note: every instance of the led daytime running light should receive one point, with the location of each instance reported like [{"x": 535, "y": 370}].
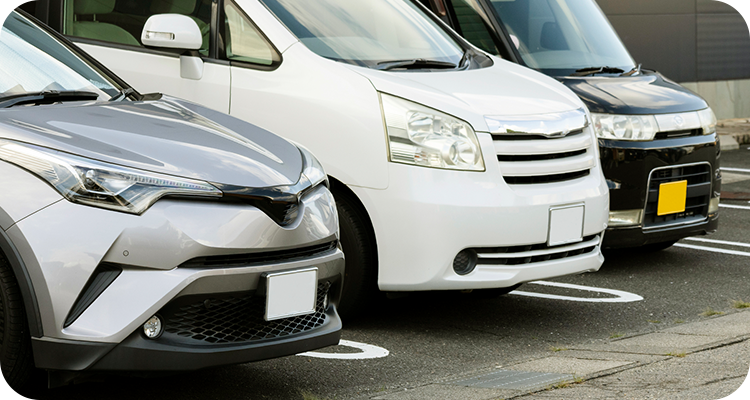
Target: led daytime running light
[{"x": 98, "y": 184}]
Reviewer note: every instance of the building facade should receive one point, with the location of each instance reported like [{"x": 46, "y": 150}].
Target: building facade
[{"x": 703, "y": 44}]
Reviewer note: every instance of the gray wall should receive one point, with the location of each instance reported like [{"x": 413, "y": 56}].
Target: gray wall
[{"x": 686, "y": 40}]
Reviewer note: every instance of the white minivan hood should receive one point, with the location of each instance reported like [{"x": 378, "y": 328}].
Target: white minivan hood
[{"x": 504, "y": 89}]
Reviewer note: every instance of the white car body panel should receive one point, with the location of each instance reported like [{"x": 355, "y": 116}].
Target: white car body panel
[
  {"x": 422, "y": 217},
  {"x": 159, "y": 73}
]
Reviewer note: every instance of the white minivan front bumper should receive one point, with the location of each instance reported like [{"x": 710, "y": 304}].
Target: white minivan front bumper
[{"x": 427, "y": 216}]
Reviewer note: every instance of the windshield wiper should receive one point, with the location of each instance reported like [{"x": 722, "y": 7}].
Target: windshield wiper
[
  {"x": 635, "y": 71},
  {"x": 46, "y": 97},
  {"x": 123, "y": 94},
  {"x": 597, "y": 70},
  {"x": 414, "y": 63}
]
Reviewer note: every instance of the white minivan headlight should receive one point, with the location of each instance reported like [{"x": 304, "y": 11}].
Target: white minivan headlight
[
  {"x": 625, "y": 127},
  {"x": 95, "y": 183},
  {"x": 420, "y": 135}
]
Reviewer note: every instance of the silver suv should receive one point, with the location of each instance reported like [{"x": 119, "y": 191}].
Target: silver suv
[{"x": 147, "y": 233}]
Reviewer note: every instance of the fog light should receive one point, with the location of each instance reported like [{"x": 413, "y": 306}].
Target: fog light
[
  {"x": 325, "y": 303},
  {"x": 625, "y": 218},
  {"x": 153, "y": 327},
  {"x": 465, "y": 262},
  {"x": 713, "y": 205}
]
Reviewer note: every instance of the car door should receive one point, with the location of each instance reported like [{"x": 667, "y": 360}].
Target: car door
[{"x": 110, "y": 30}]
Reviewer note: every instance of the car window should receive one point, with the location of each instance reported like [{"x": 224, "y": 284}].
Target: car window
[
  {"x": 121, "y": 21},
  {"x": 32, "y": 61},
  {"x": 243, "y": 40},
  {"x": 472, "y": 25},
  {"x": 371, "y": 33}
]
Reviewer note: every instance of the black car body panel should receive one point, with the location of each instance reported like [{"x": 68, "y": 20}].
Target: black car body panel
[{"x": 627, "y": 165}]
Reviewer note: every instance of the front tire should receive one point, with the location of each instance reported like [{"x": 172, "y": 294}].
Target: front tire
[
  {"x": 361, "y": 271},
  {"x": 16, "y": 359}
]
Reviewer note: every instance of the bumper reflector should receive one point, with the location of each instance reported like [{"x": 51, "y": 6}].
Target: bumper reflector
[
  {"x": 625, "y": 218},
  {"x": 713, "y": 205}
]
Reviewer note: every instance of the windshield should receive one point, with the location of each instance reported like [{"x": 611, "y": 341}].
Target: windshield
[
  {"x": 560, "y": 37},
  {"x": 371, "y": 33},
  {"x": 32, "y": 61}
]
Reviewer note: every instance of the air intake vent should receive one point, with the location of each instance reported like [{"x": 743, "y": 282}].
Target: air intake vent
[{"x": 99, "y": 281}]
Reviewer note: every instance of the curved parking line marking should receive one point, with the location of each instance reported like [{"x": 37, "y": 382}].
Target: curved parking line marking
[
  {"x": 622, "y": 297},
  {"x": 368, "y": 351},
  {"x": 733, "y": 206},
  {"x": 715, "y": 250},
  {"x": 739, "y": 244}
]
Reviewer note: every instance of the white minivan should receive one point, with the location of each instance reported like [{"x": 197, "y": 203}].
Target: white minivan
[{"x": 452, "y": 169}]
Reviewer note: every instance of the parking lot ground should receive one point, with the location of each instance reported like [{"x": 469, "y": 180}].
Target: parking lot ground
[{"x": 632, "y": 313}]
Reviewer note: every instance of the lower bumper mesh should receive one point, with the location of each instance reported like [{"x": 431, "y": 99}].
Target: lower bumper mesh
[{"x": 234, "y": 319}]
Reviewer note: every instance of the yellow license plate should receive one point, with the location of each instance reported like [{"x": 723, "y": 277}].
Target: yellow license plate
[{"x": 672, "y": 198}]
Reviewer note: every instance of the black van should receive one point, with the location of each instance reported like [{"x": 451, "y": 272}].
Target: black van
[{"x": 657, "y": 140}]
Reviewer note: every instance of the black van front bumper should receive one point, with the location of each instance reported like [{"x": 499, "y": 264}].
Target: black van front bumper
[{"x": 631, "y": 167}]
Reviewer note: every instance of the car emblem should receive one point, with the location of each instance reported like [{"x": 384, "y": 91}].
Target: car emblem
[{"x": 679, "y": 121}]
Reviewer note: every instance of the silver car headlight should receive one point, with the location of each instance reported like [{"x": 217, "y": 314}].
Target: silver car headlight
[
  {"x": 624, "y": 127},
  {"x": 422, "y": 136},
  {"x": 95, "y": 183},
  {"x": 708, "y": 121}
]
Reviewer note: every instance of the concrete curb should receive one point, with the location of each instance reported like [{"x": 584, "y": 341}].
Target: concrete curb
[
  {"x": 733, "y": 133},
  {"x": 593, "y": 360}
]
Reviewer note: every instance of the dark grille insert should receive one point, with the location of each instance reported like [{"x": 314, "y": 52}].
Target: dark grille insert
[
  {"x": 678, "y": 134},
  {"x": 529, "y": 180},
  {"x": 539, "y": 157},
  {"x": 233, "y": 319},
  {"x": 698, "y": 195},
  {"x": 248, "y": 259}
]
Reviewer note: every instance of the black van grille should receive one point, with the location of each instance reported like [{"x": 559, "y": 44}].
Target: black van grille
[{"x": 698, "y": 179}]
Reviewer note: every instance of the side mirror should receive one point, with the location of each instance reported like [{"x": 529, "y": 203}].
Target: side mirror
[{"x": 174, "y": 31}]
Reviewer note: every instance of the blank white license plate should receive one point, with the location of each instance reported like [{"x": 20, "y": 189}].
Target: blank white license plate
[
  {"x": 565, "y": 225},
  {"x": 291, "y": 293}
]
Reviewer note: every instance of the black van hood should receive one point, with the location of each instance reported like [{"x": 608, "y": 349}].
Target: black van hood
[{"x": 647, "y": 93}]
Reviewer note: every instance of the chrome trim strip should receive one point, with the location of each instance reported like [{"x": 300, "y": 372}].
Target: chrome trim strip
[
  {"x": 580, "y": 245},
  {"x": 551, "y": 125}
]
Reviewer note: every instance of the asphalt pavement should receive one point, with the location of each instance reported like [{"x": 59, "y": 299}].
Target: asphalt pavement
[{"x": 668, "y": 324}]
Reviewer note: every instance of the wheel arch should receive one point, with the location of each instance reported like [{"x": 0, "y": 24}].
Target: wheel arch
[
  {"x": 341, "y": 189},
  {"x": 11, "y": 254}
]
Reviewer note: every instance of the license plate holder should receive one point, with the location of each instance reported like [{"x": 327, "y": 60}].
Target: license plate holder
[
  {"x": 291, "y": 293},
  {"x": 565, "y": 224},
  {"x": 672, "y": 198}
]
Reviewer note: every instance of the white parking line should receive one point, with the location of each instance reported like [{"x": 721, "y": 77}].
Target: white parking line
[
  {"x": 733, "y": 206},
  {"x": 368, "y": 351},
  {"x": 715, "y": 250},
  {"x": 740, "y": 244},
  {"x": 622, "y": 297},
  {"x": 735, "y": 169}
]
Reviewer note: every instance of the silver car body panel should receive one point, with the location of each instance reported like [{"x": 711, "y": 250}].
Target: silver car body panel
[
  {"x": 168, "y": 136},
  {"x": 156, "y": 243}
]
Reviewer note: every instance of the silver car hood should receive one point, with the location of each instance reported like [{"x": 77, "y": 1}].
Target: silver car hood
[{"x": 169, "y": 136}]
